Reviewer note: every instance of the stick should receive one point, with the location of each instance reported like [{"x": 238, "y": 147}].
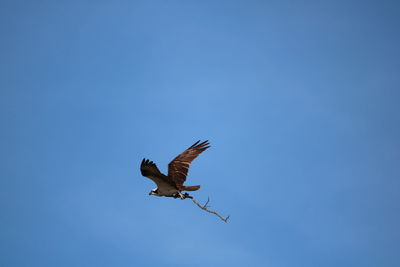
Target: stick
[{"x": 205, "y": 207}]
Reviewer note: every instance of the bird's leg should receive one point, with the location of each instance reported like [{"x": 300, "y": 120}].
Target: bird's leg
[
  {"x": 181, "y": 196},
  {"x": 187, "y": 195}
]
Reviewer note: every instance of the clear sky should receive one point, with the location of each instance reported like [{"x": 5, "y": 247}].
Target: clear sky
[{"x": 299, "y": 99}]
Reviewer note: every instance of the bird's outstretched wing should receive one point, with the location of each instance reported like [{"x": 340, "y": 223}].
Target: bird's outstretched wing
[
  {"x": 178, "y": 168},
  {"x": 149, "y": 169}
]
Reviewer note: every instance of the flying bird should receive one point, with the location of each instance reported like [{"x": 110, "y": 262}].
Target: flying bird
[{"x": 171, "y": 185}]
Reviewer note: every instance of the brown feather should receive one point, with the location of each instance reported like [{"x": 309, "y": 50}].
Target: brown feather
[
  {"x": 178, "y": 168},
  {"x": 149, "y": 169}
]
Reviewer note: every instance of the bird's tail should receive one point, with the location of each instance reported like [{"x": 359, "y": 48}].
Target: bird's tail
[{"x": 190, "y": 188}]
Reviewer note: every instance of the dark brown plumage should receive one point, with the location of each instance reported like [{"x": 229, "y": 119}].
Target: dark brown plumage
[{"x": 177, "y": 169}]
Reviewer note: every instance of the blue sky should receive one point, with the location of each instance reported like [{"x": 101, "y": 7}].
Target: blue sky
[{"x": 299, "y": 99}]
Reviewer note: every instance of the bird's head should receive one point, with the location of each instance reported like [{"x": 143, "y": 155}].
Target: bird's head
[{"x": 153, "y": 192}]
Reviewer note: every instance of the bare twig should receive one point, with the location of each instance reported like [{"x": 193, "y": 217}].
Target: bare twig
[{"x": 205, "y": 207}]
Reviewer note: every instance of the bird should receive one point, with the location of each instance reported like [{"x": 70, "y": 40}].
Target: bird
[{"x": 171, "y": 185}]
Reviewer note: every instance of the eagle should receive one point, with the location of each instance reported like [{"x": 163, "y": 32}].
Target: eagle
[{"x": 171, "y": 185}]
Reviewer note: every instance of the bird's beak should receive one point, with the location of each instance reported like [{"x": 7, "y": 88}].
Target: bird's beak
[{"x": 150, "y": 193}]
